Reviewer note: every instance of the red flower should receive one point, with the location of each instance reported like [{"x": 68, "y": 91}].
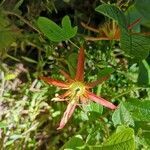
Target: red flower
[
  {"x": 77, "y": 90},
  {"x": 108, "y": 31}
]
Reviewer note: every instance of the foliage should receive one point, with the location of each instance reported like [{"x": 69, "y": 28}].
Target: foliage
[
  {"x": 34, "y": 44},
  {"x": 54, "y": 32}
]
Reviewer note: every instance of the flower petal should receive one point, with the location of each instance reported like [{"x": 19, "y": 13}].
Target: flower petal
[
  {"x": 67, "y": 114},
  {"x": 66, "y": 75},
  {"x": 62, "y": 96},
  {"x": 100, "y": 100},
  {"x": 54, "y": 82},
  {"x": 99, "y": 81},
  {"x": 80, "y": 65}
]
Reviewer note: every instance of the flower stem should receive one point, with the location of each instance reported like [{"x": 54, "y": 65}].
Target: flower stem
[
  {"x": 74, "y": 44},
  {"x": 22, "y": 19}
]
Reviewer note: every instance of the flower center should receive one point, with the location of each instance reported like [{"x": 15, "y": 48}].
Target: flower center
[{"x": 77, "y": 89}]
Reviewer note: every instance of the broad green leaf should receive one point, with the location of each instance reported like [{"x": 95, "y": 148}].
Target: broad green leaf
[
  {"x": 121, "y": 140},
  {"x": 114, "y": 13},
  {"x": 140, "y": 109},
  {"x": 135, "y": 45},
  {"x": 50, "y": 29},
  {"x": 143, "y": 7},
  {"x": 67, "y": 28},
  {"x": 144, "y": 73},
  {"x": 54, "y": 32},
  {"x": 122, "y": 116},
  {"x": 74, "y": 143}
]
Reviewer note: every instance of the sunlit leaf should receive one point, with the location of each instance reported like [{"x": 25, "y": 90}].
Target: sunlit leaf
[
  {"x": 122, "y": 116},
  {"x": 94, "y": 107},
  {"x": 74, "y": 143},
  {"x": 54, "y": 32},
  {"x": 121, "y": 140},
  {"x": 140, "y": 109}
]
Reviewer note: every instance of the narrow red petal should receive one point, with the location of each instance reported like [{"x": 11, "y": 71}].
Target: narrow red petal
[
  {"x": 134, "y": 23},
  {"x": 99, "y": 81},
  {"x": 54, "y": 82},
  {"x": 64, "y": 95},
  {"x": 67, "y": 114},
  {"x": 66, "y": 75},
  {"x": 100, "y": 100},
  {"x": 80, "y": 65}
]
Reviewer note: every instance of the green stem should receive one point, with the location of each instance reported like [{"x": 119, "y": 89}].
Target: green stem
[
  {"x": 11, "y": 57},
  {"x": 74, "y": 44},
  {"x": 22, "y": 19}
]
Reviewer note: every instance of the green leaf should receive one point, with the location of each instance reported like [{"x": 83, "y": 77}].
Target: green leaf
[
  {"x": 122, "y": 116},
  {"x": 94, "y": 107},
  {"x": 143, "y": 7},
  {"x": 51, "y": 30},
  {"x": 92, "y": 111},
  {"x": 113, "y": 12},
  {"x": 67, "y": 28},
  {"x": 131, "y": 15},
  {"x": 121, "y": 140},
  {"x": 140, "y": 109},
  {"x": 74, "y": 143},
  {"x": 54, "y": 32},
  {"x": 136, "y": 46},
  {"x": 144, "y": 73}
]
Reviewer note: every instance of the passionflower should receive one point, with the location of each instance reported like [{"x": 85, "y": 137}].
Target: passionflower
[
  {"x": 77, "y": 90},
  {"x": 108, "y": 31}
]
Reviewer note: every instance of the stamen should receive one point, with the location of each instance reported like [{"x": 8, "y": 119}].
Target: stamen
[{"x": 77, "y": 89}]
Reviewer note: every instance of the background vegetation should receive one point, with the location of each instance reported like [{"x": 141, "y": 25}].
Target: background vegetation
[{"x": 28, "y": 116}]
